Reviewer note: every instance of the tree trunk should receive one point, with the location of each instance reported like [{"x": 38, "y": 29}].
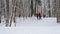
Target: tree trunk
[
  {"x": 0, "y": 11},
  {"x": 32, "y": 8},
  {"x": 13, "y": 13},
  {"x": 7, "y": 13}
]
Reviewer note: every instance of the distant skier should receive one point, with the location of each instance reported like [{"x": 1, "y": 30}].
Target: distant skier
[{"x": 38, "y": 15}]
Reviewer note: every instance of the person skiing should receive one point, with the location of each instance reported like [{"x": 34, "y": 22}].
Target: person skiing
[{"x": 38, "y": 15}]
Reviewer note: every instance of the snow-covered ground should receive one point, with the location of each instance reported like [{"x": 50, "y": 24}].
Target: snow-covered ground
[
  {"x": 52, "y": 21},
  {"x": 31, "y": 25},
  {"x": 30, "y": 30},
  {"x": 33, "y": 21}
]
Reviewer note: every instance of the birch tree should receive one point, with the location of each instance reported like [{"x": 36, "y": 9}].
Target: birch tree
[{"x": 13, "y": 15}]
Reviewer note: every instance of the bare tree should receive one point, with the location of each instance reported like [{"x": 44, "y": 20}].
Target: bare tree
[
  {"x": 0, "y": 11},
  {"x": 7, "y": 12},
  {"x": 13, "y": 13},
  {"x": 31, "y": 7}
]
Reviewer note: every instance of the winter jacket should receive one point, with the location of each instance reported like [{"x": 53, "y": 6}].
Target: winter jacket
[{"x": 37, "y": 14}]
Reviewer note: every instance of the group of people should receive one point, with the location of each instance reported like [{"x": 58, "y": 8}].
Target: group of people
[{"x": 38, "y": 15}]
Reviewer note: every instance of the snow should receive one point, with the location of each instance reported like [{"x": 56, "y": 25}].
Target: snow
[
  {"x": 32, "y": 21},
  {"x": 31, "y": 25},
  {"x": 30, "y": 30}
]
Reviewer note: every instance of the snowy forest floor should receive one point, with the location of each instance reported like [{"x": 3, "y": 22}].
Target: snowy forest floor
[
  {"x": 31, "y": 25},
  {"x": 33, "y": 21}
]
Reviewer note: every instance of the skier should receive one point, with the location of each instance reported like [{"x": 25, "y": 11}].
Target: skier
[{"x": 38, "y": 15}]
